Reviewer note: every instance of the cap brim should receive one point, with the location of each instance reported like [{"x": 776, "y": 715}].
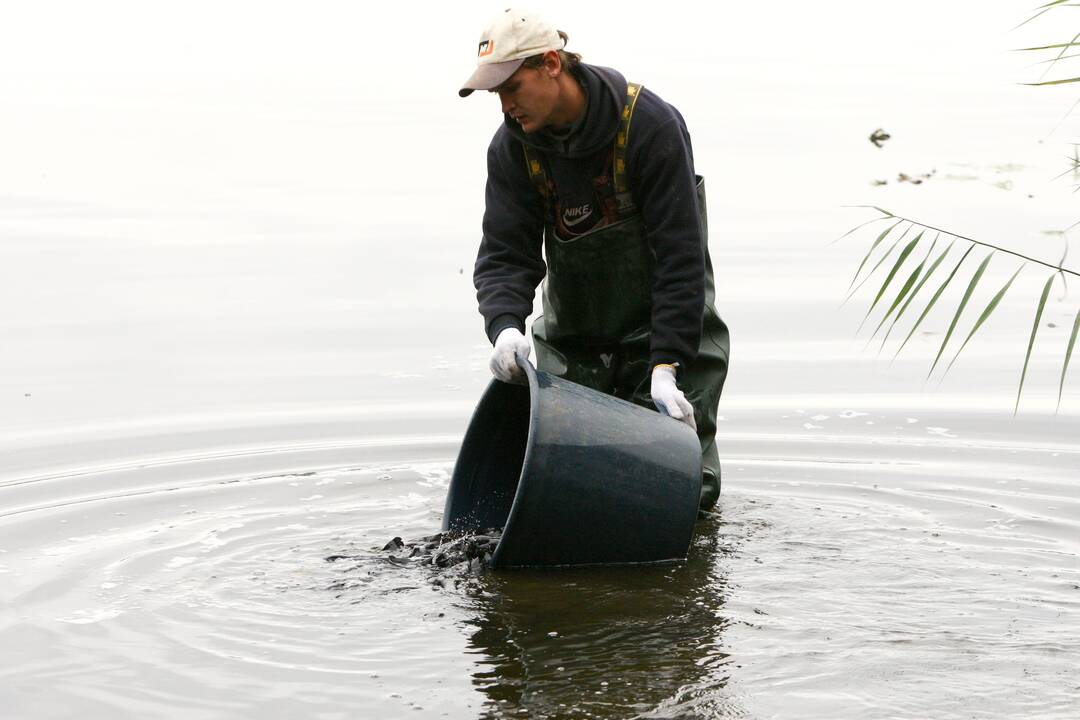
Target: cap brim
[{"x": 490, "y": 76}]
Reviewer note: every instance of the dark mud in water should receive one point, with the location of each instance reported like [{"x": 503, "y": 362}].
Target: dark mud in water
[
  {"x": 467, "y": 553},
  {"x": 446, "y": 549}
]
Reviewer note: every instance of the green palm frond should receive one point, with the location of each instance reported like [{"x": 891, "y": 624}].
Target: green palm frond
[
  {"x": 913, "y": 293},
  {"x": 960, "y": 310},
  {"x": 1064, "y": 81},
  {"x": 892, "y": 273},
  {"x": 861, "y": 226},
  {"x": 883, "y": 258},
  {"x": 1056, "y": 46},
  {"x": 1061, "y": 263},
  {"x": 870, "y": 252},
  {"x": 990, "y": 307},
  {"x": 916, "y": 277},
  {"x": 1053, "y": 60},
  {"x": 1057, "y": 58},
  {"x": 916, "y": 267},
  {"x": 1068, "y": 356},
  {"x": 1043, "y": 9},
  {"x": 934, "y": 299},
  {"x": 1031, "y": 340},
  {"x": 904, "y": 290},
  {"x": 1062, "y": 48},
  {"x": 921, "y": 265}
]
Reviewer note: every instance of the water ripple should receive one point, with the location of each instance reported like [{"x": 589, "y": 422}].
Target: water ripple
[{"x": 896, "y": 572}]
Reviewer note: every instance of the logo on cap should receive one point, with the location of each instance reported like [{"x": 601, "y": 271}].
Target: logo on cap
[{"x": 486, "y": 48}]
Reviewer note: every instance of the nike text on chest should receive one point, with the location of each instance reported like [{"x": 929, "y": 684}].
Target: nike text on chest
[{"x": 572, "y": 216}]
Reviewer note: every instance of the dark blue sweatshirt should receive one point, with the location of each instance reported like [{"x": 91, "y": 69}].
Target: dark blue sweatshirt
[{"x": 660, "y": 171}]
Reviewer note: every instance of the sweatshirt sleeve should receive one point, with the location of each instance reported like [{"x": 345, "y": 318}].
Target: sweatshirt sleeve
[
  {"x": 666, "y": 194},
  {"x": 509, "y": 264}
]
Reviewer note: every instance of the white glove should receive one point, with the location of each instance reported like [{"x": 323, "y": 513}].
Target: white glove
[
  {"x": 669, "y": 398},
  {"x": 509, "y": 346}
]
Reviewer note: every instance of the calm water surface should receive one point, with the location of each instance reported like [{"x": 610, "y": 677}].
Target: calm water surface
[{"x": 238, "y": 337}]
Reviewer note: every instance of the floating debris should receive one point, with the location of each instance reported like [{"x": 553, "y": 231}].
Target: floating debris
[
  {"x": 878, "y": 137},
  {"x": 916, "y": 179}
]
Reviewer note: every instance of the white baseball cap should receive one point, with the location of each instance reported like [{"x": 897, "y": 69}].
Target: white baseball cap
[{"x": 512, "y": 36}]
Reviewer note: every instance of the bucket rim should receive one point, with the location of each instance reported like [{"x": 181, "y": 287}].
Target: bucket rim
[{"x": 534, "y": 412}]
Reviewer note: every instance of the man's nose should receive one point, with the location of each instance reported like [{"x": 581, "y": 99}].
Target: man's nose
[{"x": 504, "y": 100}]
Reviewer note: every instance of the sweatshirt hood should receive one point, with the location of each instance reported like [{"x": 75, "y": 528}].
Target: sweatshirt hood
[{"x": 606, "y": 90}]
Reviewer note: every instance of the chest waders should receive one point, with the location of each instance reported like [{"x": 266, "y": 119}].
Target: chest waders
[{"x": 597, "y": 302}]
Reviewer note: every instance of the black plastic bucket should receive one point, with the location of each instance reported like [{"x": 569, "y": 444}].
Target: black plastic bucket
[{"x": 574, "y": 477}]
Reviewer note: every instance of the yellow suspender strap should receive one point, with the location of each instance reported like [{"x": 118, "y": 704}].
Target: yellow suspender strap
[
  {"x": 622, "y": 139},
  {"x": 536, "y": 171}
]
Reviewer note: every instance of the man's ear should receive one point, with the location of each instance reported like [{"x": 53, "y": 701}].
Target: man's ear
[{"x": 552, "y": 64}]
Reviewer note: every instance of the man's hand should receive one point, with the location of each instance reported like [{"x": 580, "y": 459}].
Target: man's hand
[
  {"x": 509, "y": 346},
  {"x": 668, "y": 397}
]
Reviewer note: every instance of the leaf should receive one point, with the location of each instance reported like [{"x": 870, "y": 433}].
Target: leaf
[
  {"x": 1061, "y": 266},
  {"x": 859, "y": 227},
  {"x": 963, "y": 303},
  {"x": 985, "y": 314},
  {"x": 1068, "y": 356},
  {"x": 892, "y": 273},
  {"x": 934, "y": 299},
  {"x": 1053, "y": 82},
  {"x": 896, "y": 267},
  {"x": 1048, "y": 47},
  {"x": 1059, "y": 55},
  {"x": 1054, "y": 60},
  {"x": 878, "y": 263},
  {"x": 871, "y": 250},
  {"x": 1041, "y": 9},
  {"x": 906, "y": 287},
  {"x": 1031, "y": 340},
  {"x": 911, "y": 296}
]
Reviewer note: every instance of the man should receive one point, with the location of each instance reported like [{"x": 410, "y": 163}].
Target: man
[{"x": 599, "y": 174}]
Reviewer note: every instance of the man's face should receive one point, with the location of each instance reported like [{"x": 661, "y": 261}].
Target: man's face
[{"x": 529, "y": 97}]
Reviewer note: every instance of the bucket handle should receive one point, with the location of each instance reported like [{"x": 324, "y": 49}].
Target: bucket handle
[{"x": 526, "y": 365}]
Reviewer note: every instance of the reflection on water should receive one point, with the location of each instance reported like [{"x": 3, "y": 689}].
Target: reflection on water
[{"x": 604, "y": 642}]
